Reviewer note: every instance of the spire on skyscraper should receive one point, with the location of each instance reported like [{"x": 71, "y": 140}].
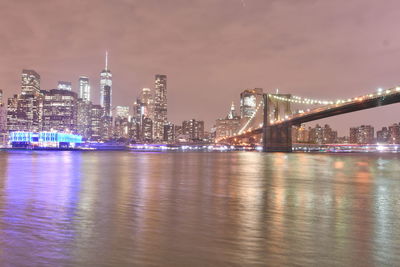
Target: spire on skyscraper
[{"x": 106, "y": 60}]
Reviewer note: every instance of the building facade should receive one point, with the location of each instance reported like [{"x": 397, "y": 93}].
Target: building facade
[
  {"x": 228, "y": 126},
  {"x": 194, "y": 129},
  {"x": 84, "y": 88},
  {"x": 96, "y": 122},
  {"x": 62, "y": 85},
  {"x": 106, "y": 89},
  {"x": 363, "y": 134},
  {"x": 160, "y": 106},
  {"x": 60, "y": 111}
]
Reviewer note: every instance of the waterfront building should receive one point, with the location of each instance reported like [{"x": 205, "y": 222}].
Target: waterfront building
[
  {"x": 363, "y": 134},
  {"x": 106, "y": 89},
  {"x": 300, "y": 134},
  {"x": 316, "y": 135},
  {"x": 60, "y": 111},
  {"x": 96, "y": 122},
  {"x": 3, "y": 114},
  {"x": 228, "y": 126},
  {"x": 122, "y": 127},
  {"x": 383, "y": 135},
  {"x": 83, "y": 118},
  {"x": 24, "y": 112},
  {"x": 169, "y": 132},
  {"x": 320, "y": 135},
  {"x": 147, "y": 130},
  {"x": 44, "y": 140},
  {"x": 122, "y": 122},
  {"x": 160, "y": 106},
  {"x": 394, "y": 134},
  {"x": 62, "y": 85},
  {"x": 194, "y": 129},
  {"x": 84, "y": 88}
]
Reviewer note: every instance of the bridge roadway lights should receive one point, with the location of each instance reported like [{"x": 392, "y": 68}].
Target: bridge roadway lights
[{"x": 277, "y": 138}]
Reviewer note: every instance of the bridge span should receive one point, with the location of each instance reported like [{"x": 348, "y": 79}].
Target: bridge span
[{"x": 276, "y": 132}]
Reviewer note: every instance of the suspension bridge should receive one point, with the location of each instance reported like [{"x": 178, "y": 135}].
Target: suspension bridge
[{"x": 272, "y": 121}]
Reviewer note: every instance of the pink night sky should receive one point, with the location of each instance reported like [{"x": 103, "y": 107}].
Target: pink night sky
[{"x": 211, "y": 50}]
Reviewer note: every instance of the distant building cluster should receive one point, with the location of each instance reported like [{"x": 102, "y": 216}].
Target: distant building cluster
[
  {"x": 389, "y": 135},
  {"x": 317, "y": 135},
  {"x": 63, "y": 110},
  {"x": 231, "y": 125}
]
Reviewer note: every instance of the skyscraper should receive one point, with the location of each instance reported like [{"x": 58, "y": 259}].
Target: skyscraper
[
  {"x": 24, "y": 111},
  {"x": 30, "y": 82},
  {"x": 60, "y": 110},
  {"x": 106, "y": 84},
  {"x": 84, "y": 88},
  {"x": 62, "y": 85},
  {"x": 96, "y": 115},
  {"x": 122, "y": 111},
  {"x": 3, "y": 114},
  {"x": 160, "y": 106}
]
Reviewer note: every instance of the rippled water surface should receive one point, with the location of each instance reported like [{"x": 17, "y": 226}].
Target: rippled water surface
[{"x": 198, "y": 209}]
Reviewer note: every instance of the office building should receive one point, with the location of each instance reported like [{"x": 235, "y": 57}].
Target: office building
[
  {"x": 60, "y": 111},
  {"x": 363, "y": 134},
  {"x": 194, "y": 129},
  {"x": 160, "y": 106},
  {"x": 106, "y": 89},
  {"x": 383, "y": 135},
  {"x": 122, "y": 111},
  {"x": 84, "y": 88},
  {"x": 147, "y": 130},
  {"x": 83, "y": 118},
  {"x": 96, "y": 122},
  {"x": 3, "y": 114},
  {"x": 228, "y": 126},
  {"x": 30, "y": 82},
  {"x": 169, "y": 132},
  {"x": 62, "y": 85}
]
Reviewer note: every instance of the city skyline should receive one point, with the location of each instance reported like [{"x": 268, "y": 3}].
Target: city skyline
[{"x": 217, "y": 62}]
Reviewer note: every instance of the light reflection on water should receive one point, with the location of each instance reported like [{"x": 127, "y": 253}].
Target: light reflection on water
[{"x": 185, "y": 209}]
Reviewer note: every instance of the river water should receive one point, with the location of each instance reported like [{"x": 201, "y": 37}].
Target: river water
[{"x": 199, "y": 209}]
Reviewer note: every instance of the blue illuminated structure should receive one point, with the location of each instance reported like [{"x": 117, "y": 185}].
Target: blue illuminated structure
[{"x": 44, "y": 139}]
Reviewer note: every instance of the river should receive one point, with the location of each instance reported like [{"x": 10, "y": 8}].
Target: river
[{"x": 198, "y": 209}]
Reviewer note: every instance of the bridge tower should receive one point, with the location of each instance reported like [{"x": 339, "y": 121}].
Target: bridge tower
[{"x": 277, "y": 138}]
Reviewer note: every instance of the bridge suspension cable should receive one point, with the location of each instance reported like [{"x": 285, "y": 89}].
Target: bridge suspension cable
[
  {"x": 302, "y": 100},
  {"x": 252, "y": 117}
]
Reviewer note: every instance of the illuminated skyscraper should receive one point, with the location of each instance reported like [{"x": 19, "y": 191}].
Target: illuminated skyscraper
[
  {"x": 249, "y": 100},
  {"x": 3, "y": 114},
  {"x": 84, "y": 88},
  {"x": 122, "y": 111},
  {"x": 64, "y": 86},
  {"x": 160, "y": 106},
  {"x": 60, "y": 111},
  {"x": 106, "y": 85},
  {"x": 24, "y": 111},
  {"x": 30, "y": 82}
]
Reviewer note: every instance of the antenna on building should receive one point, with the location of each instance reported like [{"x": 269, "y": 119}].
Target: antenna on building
[{"x": 106, "y": 60}]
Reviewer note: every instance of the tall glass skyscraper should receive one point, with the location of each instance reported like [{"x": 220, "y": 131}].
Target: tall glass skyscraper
[
  {"x": 84, "y": 88},
  {"x": 160, "y": 106},
  {"x": 106, "y": 80}
]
